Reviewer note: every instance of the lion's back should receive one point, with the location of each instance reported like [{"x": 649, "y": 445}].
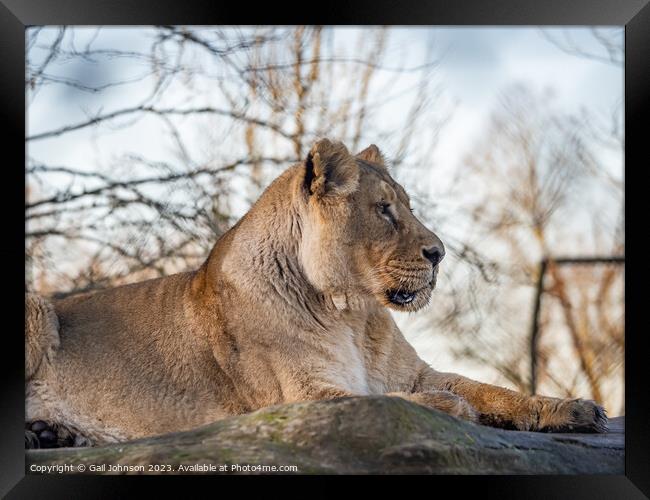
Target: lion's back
[
  {"x": 121, "y": 324},
  {"x": 141, "y": 300}
]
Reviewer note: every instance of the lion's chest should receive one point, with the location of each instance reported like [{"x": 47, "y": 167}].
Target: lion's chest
[{"x": 346, "y": 367}]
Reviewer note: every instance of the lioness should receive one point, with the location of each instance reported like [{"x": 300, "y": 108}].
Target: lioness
[{"x": 291, "y": 305}]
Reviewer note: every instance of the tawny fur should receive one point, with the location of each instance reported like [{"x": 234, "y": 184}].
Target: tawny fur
[
  {"x": 42, "y": 326},
  {"x": 290, "y": 305}
]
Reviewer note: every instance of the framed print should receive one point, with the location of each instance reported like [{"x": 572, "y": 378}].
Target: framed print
[{"x": 386, "y": 241}]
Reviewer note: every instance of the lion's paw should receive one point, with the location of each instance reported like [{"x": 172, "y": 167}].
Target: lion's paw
[
  {"x": 571, "y": 415},
  {"x": 40, "y": 434}
]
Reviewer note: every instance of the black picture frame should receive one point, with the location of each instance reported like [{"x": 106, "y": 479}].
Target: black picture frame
[{"x": 16, "y": 15}]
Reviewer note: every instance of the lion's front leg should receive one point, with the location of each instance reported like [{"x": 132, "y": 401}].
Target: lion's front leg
[
  {"x": 444, "y": 401},
  {"x": 500, "y": 407}
]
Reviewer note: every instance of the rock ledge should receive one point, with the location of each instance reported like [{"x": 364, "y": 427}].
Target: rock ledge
[{"x": 360, "y": 435}]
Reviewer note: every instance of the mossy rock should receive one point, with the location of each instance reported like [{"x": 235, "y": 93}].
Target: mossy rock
[{"x": 360, "y": 435}]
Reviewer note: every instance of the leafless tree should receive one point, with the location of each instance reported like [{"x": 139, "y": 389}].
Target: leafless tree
[
  {"x": 529, "y": 186},
  {"x": 238, "y": 105},
  {"x": 608, "y": 46}
]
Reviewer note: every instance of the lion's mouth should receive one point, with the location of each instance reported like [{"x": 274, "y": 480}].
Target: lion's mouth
[
  {"x": 402, "y": 297},
  {"x": 412, "y": 294}
]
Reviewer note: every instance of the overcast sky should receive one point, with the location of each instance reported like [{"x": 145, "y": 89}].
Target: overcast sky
[{"x": 476, "y": 64}]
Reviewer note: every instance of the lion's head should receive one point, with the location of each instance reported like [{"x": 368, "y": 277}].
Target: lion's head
[{"x": 360, "y": 235}]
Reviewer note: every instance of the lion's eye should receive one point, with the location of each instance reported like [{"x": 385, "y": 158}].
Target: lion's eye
[{"x": 384, "y": 209}]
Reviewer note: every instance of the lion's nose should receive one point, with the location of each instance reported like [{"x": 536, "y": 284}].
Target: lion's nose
[{"x": 434, "y": 254}]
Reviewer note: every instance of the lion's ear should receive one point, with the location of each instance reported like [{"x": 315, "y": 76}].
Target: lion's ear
[
  {"x": 330, "y": 170},
  {"x": 372, "y": 154}
]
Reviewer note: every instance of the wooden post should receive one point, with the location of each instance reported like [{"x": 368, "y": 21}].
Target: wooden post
[{"x": 534, "y": 329}]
